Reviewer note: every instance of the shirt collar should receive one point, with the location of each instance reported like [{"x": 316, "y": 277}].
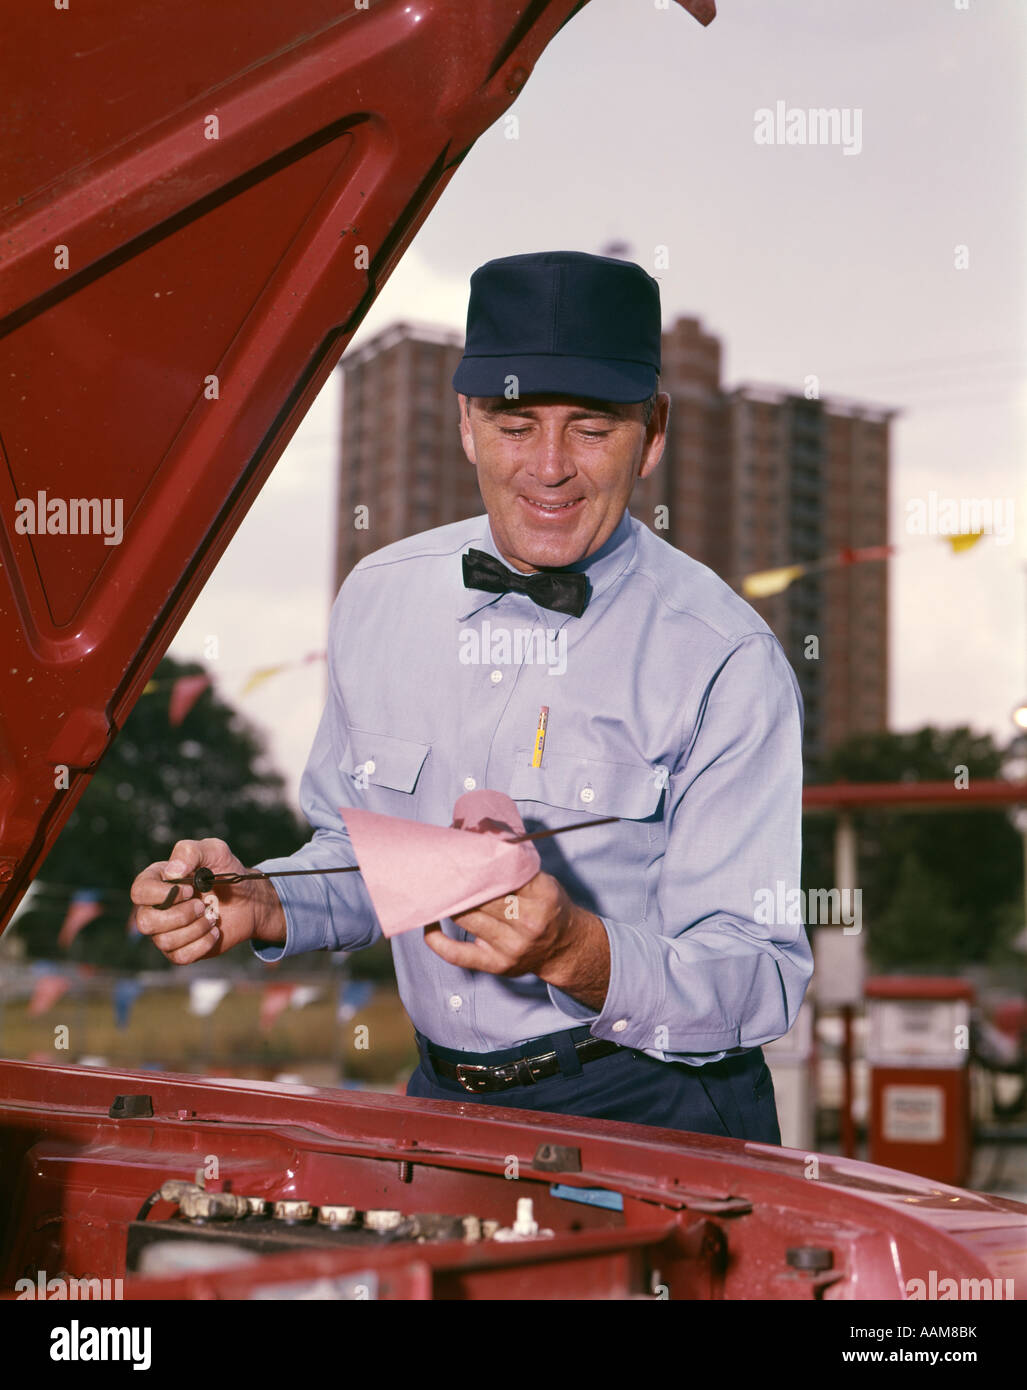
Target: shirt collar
[{"x": 602, "y": 568}]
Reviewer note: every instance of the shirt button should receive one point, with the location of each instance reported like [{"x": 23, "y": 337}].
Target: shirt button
[
  {"x": 469, "y": 784},
  {"x": 369, "y": 766},
  {"x": 620, "y": 1025},
  {"x": 455, "y": 1001},
  {"x": 496, "y": 677},
  {"x": 587, "y": 794}
]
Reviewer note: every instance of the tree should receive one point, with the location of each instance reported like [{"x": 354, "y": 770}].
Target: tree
[
  {"x": 967, "y": 864},
  {"x": 920, "y": 929},
  {"x": 157, "y": 784}
]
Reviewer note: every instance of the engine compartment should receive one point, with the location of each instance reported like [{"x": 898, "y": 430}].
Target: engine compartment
[{"x": 195, "y": 1188}]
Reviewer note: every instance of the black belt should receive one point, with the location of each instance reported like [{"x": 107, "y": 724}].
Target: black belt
[{"x": 522, "y": 1071}]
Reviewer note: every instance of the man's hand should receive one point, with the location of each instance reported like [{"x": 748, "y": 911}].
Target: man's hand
[
  {"x": 537, "y": 931},
  {"x": 249, "y": 910}
]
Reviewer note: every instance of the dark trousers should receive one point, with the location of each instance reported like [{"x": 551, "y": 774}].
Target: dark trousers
[{"x": 733, "y": 1097}]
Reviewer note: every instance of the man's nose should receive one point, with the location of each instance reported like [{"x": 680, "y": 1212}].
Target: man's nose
[{"x": 551, "y": 462}]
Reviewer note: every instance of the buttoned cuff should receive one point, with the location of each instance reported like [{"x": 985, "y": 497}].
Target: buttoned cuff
[
  {"x": 638, "y": 987},
  {"x": 635, "y": 1012},
  {"x": 307, "y": 914},
  {"x": 635, "y": 966}
]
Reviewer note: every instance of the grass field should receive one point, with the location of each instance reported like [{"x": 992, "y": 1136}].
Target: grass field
[{"x": 162, "y": 1033}]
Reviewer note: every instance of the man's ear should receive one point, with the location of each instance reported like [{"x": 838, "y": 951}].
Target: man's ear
[
  {"x": 655, "y": 435},
  {"x": 466, "y": 435}
]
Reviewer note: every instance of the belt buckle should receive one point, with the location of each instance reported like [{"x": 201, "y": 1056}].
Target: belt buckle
[{"x": 474, "y": 1084}]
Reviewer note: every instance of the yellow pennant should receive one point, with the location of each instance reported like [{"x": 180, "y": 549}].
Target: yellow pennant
[
  {"x": 964, "y": 540},
  {"x": 264, "y": 673},
  {"x": 767, "y": 582}
]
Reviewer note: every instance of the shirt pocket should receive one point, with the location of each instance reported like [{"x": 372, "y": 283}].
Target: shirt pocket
[
  {"x": 630, "y": 791},
  {"x": 376, "y": 761},
  {"x": 607, "y": 870}
]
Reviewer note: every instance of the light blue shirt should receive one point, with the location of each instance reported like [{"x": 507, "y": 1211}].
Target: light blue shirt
[{"x": 671, "y": 706}]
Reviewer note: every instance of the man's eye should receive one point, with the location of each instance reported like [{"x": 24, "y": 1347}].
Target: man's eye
[
  {"x": 595, "y": 434},
  {"x": 513, "y": 433}
]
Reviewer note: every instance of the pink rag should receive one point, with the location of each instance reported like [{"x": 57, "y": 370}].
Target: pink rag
[{"x": 417, "y": 874}]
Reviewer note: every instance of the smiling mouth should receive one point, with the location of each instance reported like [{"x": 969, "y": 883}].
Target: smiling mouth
[{"x": 551, "y": 508}]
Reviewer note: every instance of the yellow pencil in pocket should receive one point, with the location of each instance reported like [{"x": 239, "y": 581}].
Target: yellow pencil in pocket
[{"x": 540, "y": 736}]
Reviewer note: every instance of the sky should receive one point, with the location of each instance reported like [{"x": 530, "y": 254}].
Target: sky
[{"x": 888, "y": 264}]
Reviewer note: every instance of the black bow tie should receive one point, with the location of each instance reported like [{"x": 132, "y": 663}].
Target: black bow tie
[{"x": 561, "y": 590}]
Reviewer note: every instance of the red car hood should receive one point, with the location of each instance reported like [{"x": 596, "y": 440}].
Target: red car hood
[{"x": 716, "y": 1218}]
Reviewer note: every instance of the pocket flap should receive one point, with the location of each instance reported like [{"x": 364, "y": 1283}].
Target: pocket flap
[
  {"x": 387, "y": 762},
  {"x": 629, "y": 790}
]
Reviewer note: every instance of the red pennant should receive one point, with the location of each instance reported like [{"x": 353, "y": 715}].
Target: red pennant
[
  {"x": 276, "y": 999},
  {"x": 856, "y": 555},
  {"x": 49, "y": 988},
  {"x": 184, "y": 694},
  {"x": 82, "y": 909}
]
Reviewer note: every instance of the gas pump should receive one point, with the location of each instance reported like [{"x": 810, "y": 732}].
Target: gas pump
[{"x": 918, "y": 1052}]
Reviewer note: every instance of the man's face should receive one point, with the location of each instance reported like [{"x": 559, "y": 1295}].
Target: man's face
[{"x": 556, "y": 472}]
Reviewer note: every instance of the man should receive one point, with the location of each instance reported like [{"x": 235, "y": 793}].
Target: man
[{"x": 633, "y": 977}]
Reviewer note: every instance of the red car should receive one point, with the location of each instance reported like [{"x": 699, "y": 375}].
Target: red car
[{"x": 272, "y": 174}]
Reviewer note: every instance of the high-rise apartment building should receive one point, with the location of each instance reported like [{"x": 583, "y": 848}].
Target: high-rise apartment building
[
  {"x": 403, "y": 469},
  {"x": 756, "y": 479}
]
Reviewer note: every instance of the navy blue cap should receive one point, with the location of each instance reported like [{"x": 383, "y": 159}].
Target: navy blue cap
[{"x": 562, "y": 322}]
